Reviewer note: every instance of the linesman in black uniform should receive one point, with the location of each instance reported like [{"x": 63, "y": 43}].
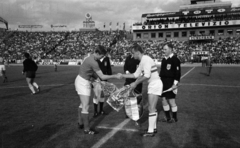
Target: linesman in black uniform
[
  {"x": 130, "y": 66},
  {"x": 170, "y": 75},
  {"x": 106, "y": 69}
]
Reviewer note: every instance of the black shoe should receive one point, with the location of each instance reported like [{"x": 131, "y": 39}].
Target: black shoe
[
  {"x": 90, "y": 132},
  {"x": 165, "y": 120},
  {"x": 38, "y": 89},
  {"x": 33, "y": 93},
  {"x": 147, "y": 134},
  {"x": 95, "y": 115},
  {"x": 80, "y": 126},
  {"x": 102, "y": 113},
  {"x": 154, "y": 131},
  {"x": 173, "y": 120}
]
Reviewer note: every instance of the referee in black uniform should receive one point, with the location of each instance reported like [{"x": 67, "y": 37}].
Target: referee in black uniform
[
  {"x": 170, "y": 75},
  {"x": 130, "y": 66},
  {"x": 106, "y": 69}
]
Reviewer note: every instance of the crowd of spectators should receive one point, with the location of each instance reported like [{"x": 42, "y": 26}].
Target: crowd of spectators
[{"x": 74, "y": 45}]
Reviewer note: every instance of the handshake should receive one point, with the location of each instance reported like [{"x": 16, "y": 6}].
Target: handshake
[{"x": 119, "y": 76}]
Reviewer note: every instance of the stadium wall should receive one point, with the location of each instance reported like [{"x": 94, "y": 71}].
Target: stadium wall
[{"x": 185, "y": 33}]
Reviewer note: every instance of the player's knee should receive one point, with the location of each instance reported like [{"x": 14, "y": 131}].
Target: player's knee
[
  {"x": 172, "y": 102},
  {"x": 151, "y": 108},
  {"x": 85, "y": 107},
  {"x": 164, "y": 101}
]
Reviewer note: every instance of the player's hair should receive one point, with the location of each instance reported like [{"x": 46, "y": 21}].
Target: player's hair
[
  {"x": 137, "y": 47},
  {"x": 170, "y": 45},
  {"x": 26, "y": 55},
  {"x": 101, "y": 50}
]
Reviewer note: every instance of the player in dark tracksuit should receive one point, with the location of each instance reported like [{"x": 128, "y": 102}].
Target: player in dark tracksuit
[
  {"x": 130, "y": 66},
  {"x": 106, "y": 69},
  {"x": 30, "y": 68},
  {"x": 170, "y": 75}
]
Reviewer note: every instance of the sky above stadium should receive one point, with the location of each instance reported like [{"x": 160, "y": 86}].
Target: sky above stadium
[{"x": 72, "y": 12}]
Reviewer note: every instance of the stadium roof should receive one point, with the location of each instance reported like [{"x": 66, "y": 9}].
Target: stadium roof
[
  {"x": 198, "y": 9},
  {"x": 201, "y": 1},
  {"x": 4, "y": 21}
]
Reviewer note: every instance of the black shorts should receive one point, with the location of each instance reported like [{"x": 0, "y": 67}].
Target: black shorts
[
  {"x": 167, "y": 83},
  {"x": 30, "y": 74}
]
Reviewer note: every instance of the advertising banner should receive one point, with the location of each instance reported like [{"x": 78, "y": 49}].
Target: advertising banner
[
  {"x": 201, "y": 37},
  {"x": 30, "y": 26},
  {"x": 187, "y": 25}
]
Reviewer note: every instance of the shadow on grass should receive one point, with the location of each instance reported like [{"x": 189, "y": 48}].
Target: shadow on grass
[
  {"x": 222, "y": 139},
  {"x": 165, "y": 139},
  {"x": 14, "y": 96},
  {"x": 43, "y": 91},
  {"x": 196, "y": 141},
  {"x": 29, "y": 136},
  {"x": 108, "y": 109},
  {"x": 205, "y": 74}
]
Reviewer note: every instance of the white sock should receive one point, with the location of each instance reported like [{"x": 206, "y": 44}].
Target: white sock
[
  {"x": 166, "y": 108},
  {"x": 174, "y": 109},
  {"x": 151, "y": 121},
  {"x": 155, "y": 125},
  {"x": 31, "y": 88},
  {"x": 35, "y": 84}
]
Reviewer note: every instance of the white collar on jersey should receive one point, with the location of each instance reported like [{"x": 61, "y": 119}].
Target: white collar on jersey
[
  {"x": 171, "y": 55},
  {"x": 102, "y": 58}
]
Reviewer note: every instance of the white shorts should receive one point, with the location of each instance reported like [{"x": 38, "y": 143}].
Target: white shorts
[
  {"x": 82, "y": 86},
  {"x": 155, "y": 87}
]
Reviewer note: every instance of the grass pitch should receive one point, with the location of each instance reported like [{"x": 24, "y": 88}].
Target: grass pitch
[{"x": 208, "y": 112}]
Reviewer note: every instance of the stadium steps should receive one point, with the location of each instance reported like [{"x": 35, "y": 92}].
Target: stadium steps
[
  {"x": 57, "y": 44},
  {"x": 7, "y": 36}
]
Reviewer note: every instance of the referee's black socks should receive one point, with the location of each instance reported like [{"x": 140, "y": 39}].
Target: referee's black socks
[
  {"x": 95, "y": 107},
  {"x": 174, "y": 112},
  {"x": 166, "y": 109}
]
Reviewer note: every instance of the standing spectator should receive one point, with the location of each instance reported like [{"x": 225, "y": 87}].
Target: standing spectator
[
  {"x": 55, "y": 64},
  {"x": 170, "y": 75},
  {"x": 3, "y": 71},
  {"x": 30, "y": 68},
  {"x": 105, "y": 66},
  {"x": 208, "y": 65}
]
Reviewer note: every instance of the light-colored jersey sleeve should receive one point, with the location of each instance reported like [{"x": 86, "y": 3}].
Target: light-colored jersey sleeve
[{"x": 147, "y": 67}]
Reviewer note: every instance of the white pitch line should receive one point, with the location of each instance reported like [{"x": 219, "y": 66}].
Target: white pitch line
[
  {"x": 39, "y": 85},
  {"x": 47, "y": 85},
  {"x": 210, "y": 85},
  {"x": 187, "y": 73},
  {"x": 110, "y": 134},
  {"x": 119, "y": 126},
  {"x": 120, "y": 129}
]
